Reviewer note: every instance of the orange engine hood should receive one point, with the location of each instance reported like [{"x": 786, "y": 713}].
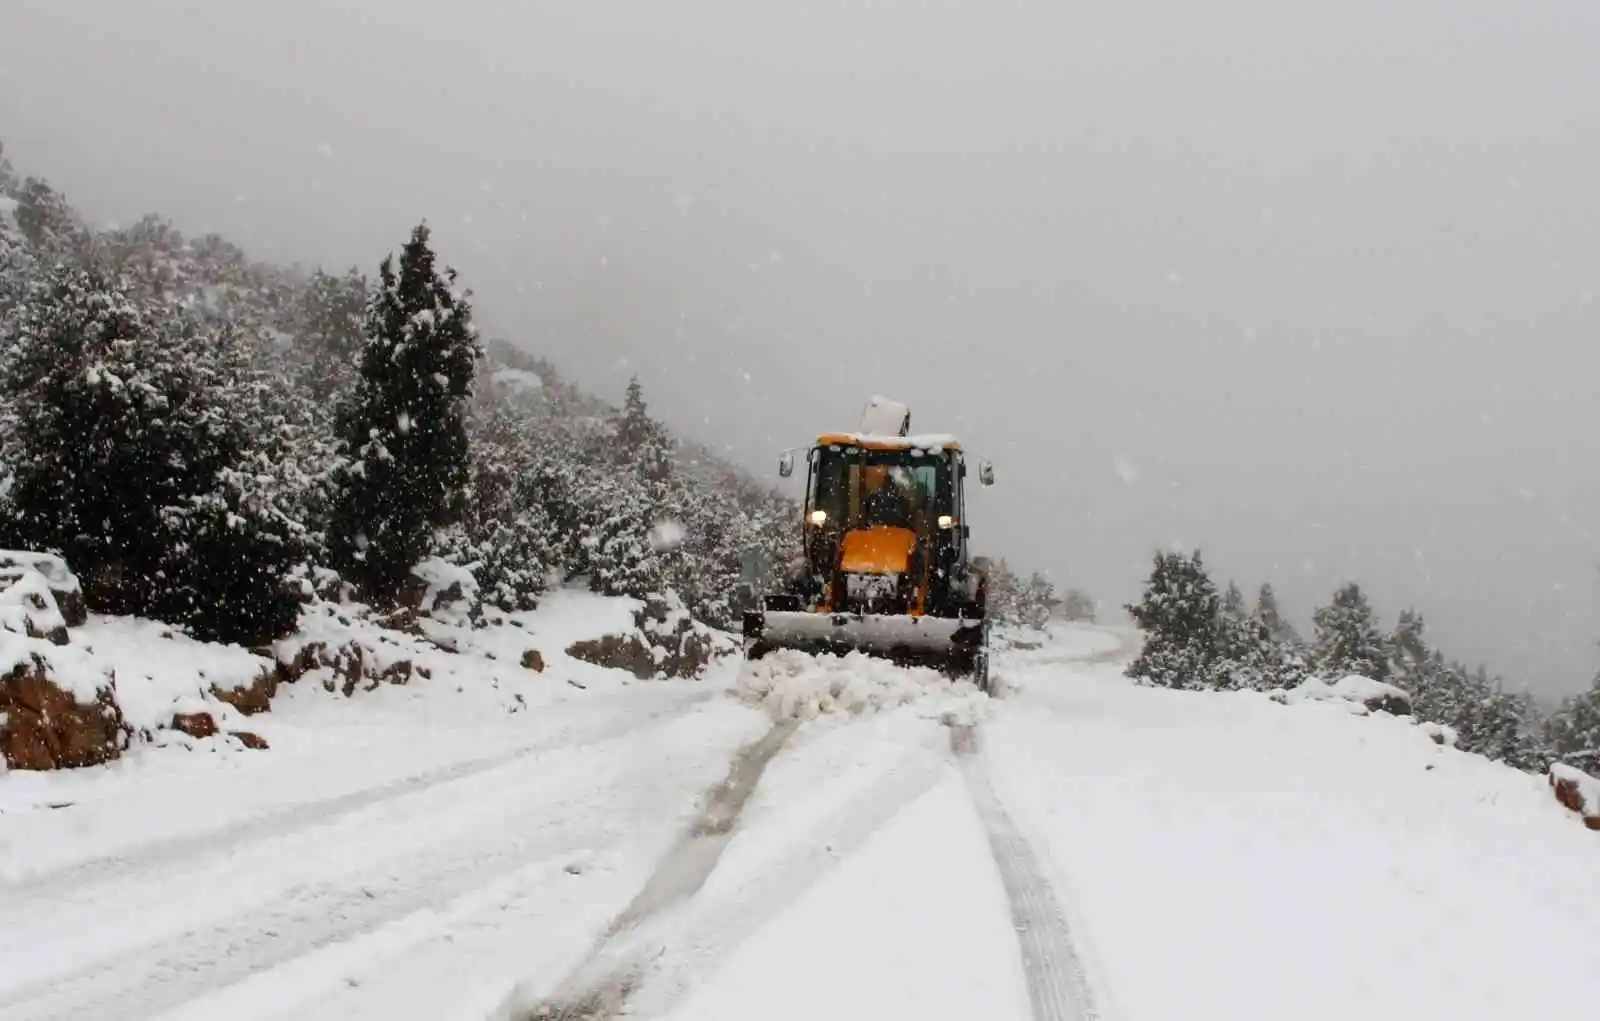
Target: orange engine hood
[{"x": 877, "y": 550}]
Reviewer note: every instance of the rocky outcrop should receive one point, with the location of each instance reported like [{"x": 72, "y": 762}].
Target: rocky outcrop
[
  {"x": 665, "y": 642},
  {"x": 198, "y": 725},
  {"x": 617, "y": 652},
  {"x": 533, "y": 660},
  {"x": 43, "y": 726},
  {"x": 346, "y": 668},
  {"x": 249, "y": 740},
  {"x": 252, "y": 698}
]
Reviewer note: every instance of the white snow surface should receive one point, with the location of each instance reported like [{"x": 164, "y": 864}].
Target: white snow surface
[{"x": 458, "y": 848}]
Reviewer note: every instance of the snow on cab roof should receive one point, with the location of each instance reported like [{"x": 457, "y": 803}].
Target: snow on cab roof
[{"x": 927, "y": 441}]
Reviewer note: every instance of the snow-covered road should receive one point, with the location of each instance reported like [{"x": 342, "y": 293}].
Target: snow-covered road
[{"x": 804, "y": 840}]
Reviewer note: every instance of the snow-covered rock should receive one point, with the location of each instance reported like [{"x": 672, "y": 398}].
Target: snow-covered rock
[
  {"x": 62, "y": 583},
  {"x": 57, "y": 706},
  {"x": 1578, "y": 791},
  {"x": 1362, "y": 694},
  {"x": 664, "y": 642}
]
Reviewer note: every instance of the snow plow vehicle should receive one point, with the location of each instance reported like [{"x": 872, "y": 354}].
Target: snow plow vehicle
[{"x": 884, "y": 566}]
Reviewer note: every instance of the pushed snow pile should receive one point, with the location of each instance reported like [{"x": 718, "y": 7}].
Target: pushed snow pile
[
  {"x": 794, "y": 685},
  {"x": 1578, "y": 791},
  {"x": 1362, "y": 694}
]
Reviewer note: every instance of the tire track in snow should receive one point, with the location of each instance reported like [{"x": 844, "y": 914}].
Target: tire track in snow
[
  {"x": 125, "y": 866},
  {"x": 595, "y": 989},
  {"x": 146, "y": 980},
  {"x": 611, "y": 980},
  {"x": 1058, "y": 985}
]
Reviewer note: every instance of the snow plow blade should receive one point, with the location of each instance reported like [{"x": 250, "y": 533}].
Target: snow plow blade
[{"x": 955, "y": 645}]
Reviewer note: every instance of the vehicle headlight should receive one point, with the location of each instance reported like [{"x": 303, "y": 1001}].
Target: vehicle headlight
[
  {"x": 946, "y": 521},
  {"x": 819, "y": 517}
]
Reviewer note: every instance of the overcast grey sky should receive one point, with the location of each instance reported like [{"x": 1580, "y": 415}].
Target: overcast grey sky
[{"x": 1310, "y": 285}]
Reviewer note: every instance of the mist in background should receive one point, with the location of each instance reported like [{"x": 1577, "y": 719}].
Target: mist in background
[{"x": 1310, "y": 286}]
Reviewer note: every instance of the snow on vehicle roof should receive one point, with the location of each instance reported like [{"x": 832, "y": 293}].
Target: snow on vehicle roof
[
  {"x": 885, "y": 416},
  {"x": 927, "y": 441}
]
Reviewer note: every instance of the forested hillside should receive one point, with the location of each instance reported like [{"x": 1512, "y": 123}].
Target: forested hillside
[
  {"x": 192, "y": 429},
  {"x": 189, "y": 427}
]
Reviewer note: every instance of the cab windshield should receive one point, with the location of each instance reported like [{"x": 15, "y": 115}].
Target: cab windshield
[{"x": 865, "y": 488}]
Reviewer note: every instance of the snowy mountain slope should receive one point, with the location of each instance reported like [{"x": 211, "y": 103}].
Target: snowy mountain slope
[{"x": 803, "y": 841}]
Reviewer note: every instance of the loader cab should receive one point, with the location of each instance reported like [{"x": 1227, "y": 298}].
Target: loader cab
[{"x": 881, "y": 505}]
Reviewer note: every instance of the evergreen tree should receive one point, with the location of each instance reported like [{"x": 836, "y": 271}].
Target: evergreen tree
[
  {"x": 1267, "y": 609},
  {"x": 330, "y": 320},
  {"x": 403, "y": 431},
  {"x": 1179, "y": 614},
  {"x": 633, "y": 536},
  {"x": 1233, "y": 604},
  {"x": 1347, "y": 639},
  {"x": 9, "y": 181},
  {"x": 125, "y": 461},
  {"x": 1574, "y": 730},
  {"x": 44, "y": 218}
]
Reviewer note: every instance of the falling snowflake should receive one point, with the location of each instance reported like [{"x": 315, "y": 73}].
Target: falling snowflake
[{"x": 667, "y": 534}]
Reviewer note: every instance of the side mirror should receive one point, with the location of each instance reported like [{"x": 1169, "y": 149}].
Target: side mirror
[
  {"x": 786, "y": 464},
  {"x": 985, "y": 473}
]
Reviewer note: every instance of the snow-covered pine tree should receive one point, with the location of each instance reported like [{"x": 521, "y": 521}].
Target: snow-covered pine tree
[
  {"x": 9, "y": 182},
  {"x": 1179, "y": 615},
  {"x": 1574, "y": 730},
  {"x": 403, "y": 430},
  {"x": 1242, "y": 645},
  {"x": 45, "y": 219},
  {"x": 1347, "y": 639},
  {"x": 634, "y": 538},
  {"x": 505, "y": 537},
  {"x": 1233, "y": 604},
  {"x": 1036, "y": 602},
  {"x": 1277, "y": 625},
  {"x": 125, "y": 461},
  {"x": 329, "y": 321}
]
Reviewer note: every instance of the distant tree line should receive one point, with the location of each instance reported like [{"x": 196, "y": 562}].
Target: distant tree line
[{"x": 1198, "y": 638}]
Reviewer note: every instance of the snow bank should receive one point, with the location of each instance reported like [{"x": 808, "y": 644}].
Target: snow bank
[{"x": 793, "y": 685}]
